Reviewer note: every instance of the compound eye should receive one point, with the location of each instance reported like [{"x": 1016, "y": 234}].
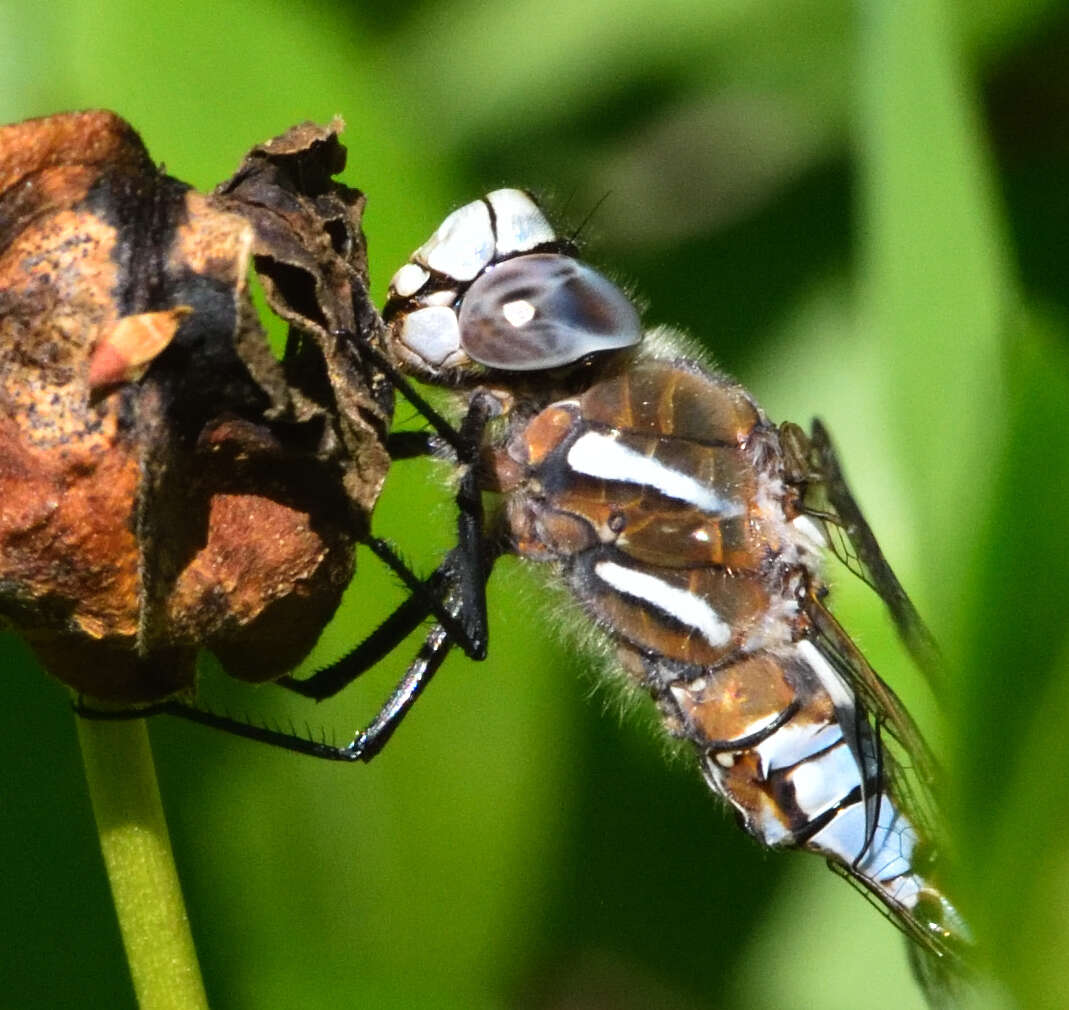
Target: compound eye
[{"x": 543, "y": 311}]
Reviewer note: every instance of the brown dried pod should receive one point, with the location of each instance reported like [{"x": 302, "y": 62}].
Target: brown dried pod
[{"x": 166, "y": 484}]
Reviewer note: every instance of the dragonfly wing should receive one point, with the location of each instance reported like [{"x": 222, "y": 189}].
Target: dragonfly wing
[
  {"x": 909, "y": 779},
  {"x": 858, "y": 549}
]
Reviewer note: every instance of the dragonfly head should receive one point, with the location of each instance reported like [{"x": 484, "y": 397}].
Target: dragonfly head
[{"x": 494, "y": 289}]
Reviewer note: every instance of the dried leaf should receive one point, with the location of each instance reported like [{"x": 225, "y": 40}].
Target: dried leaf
[{"x": 310, "y": 255}]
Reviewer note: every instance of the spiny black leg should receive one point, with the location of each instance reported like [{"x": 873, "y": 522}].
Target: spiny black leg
[
  {"x": 442, "y": 427},
  {"x": 365, "y": 744},
  {"x": 380, "y": 643},
  {"x": 228, "y": 724},
  {"x": 468, "y": 627},
  {"x": 472, "y": 569},
  {"x": 461, "y": 613},
  {"x": 473, "y": 557},
  {"x": 431, "y": 656},
  {"x": 456, "y": 623},
  {"x": 471, "y": 560},
  {"x": 385, "y": 639}
]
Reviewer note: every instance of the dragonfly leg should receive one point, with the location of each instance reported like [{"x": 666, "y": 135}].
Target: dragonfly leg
[{"x": 365, "y": 744}]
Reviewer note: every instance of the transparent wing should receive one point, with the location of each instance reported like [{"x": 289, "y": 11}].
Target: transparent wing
[
  {"x": 908, "y": 774},
  {"x": 880, "y": 701},
  {"x": 828, "y": 497}
]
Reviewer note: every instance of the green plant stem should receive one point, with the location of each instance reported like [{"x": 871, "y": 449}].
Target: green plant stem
[{"x": 140, "y": 865}]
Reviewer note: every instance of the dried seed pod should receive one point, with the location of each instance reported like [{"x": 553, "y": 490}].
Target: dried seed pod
[{"x": 167, "y": 483}]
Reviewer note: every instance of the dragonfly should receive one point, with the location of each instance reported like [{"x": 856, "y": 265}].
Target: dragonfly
[{"x": 691, "y": 533}]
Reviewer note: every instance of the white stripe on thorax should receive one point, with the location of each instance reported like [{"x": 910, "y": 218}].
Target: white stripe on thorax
[
  {"x": 680, "y": 604},
  {"x": 598, "y": 455}
]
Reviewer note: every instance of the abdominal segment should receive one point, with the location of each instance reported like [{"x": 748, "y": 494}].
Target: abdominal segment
[{"x": 780, "y": 737}]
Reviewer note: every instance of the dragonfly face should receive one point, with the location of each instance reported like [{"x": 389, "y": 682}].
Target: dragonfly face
[{"x": 684, "y": 523}]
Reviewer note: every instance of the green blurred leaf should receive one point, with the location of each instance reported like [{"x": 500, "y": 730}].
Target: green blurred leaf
[
  {"x": 1017, "y": 819},
  {"x": 517, "y": 844},
  {"x": 938, "y": 286}
]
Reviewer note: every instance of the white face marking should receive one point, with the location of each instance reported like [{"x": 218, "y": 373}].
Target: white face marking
[
  {"x": 518, "y": 313},
  {"x": 683, "y": 606},
  {"x": 604, "y": 457},
  {"x": 520, "y": 224},
  {"x": 446, "y": 297},
  {"x": 432, "y": 334},
  {"x": 408, "y": 280},
  {"x": 463, "y": 244}
]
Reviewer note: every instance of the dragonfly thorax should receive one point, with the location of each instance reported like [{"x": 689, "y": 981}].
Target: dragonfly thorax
[{"x": 658, "y": 492}]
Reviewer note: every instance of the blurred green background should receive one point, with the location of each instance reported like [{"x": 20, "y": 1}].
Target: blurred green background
[{"x": 862, "y": 210}]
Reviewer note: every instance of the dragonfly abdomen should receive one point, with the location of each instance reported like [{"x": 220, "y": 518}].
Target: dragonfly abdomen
[{"x": 779, "y": 737}]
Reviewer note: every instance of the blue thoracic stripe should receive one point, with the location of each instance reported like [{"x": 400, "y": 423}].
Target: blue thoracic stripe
[{"x": 604, "y": 456}]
